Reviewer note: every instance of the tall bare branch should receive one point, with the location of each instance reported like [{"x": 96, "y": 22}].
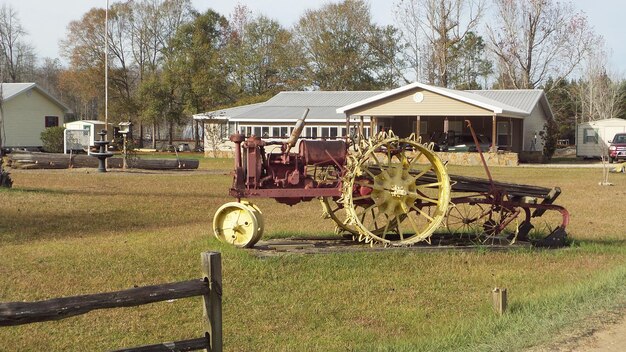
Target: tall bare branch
[{"x": 535, "y": 39}]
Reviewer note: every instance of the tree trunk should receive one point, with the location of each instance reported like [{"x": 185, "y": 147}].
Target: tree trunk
[
  {"x": 171, "y": 133},
  {"x": 154, "y": 132},
  {"x": 196, "y": 134},
  {"x": 140, "y": 134}
]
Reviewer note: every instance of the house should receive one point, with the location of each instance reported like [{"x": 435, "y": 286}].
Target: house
[
  {"x": 27, "y": 110},
  {"x": 511, "y": 118},
  {"x": 593, "y": 138}
]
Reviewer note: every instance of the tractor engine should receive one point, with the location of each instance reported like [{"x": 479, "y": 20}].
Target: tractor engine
[{"x": 317, "y": 164}]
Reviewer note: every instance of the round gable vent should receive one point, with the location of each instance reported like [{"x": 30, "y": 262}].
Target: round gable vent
[{"x": 418, "y": 97}]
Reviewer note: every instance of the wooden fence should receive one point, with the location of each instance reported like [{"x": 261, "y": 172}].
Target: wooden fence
[{"x": 209, "y": 287}]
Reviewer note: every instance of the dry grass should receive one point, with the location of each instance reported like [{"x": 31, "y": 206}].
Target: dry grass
[{"x": 75, "y": 231}]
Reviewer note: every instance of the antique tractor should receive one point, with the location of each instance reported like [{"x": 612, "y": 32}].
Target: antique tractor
[{"x": 383, "y": 190}]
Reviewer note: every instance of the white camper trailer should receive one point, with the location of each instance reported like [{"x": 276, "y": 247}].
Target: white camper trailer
[{"x": 593, "y": 138}]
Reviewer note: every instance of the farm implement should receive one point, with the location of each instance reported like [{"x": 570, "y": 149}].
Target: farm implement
[{"x": 384, "y": 190}]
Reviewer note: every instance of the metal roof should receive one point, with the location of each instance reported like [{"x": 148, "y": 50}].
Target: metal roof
[
  {"x": 88, "y": 122},
  {"x": 289, "y": 106},
  {"x": 319, "y": 98},
  {"x": 331, "y": 106},
  {"x": 225, "y": 113},
  {"x": 522, "y": 99},
  {"x": 11, "y": 90},
  {"x": 490, "y": 100}
]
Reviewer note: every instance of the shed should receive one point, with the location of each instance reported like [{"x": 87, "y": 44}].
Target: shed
[
  {"x": 82, "y": 134},
  {"x": 593, "y": 137},
  {"x": 27, "y": 110}
]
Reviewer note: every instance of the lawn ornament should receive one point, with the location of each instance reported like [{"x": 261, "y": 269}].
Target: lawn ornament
[{"x": 102, "y": 154}]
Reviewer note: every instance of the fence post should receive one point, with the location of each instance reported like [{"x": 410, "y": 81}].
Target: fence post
[
  {"x": 499, "y": 300},
  {"x": 212, "y": 270}
]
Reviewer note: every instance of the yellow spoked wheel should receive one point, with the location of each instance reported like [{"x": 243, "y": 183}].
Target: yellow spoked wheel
[
  {"x": 335, "y": 211},
  {"x": 396, "y": 191},
  {"x": 240, "y": 224}
]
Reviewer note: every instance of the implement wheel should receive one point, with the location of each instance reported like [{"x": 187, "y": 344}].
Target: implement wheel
[
  {"x": 499, "y": 225},
  {"x": 240, "y": 224},
  {"x": 464, "y": 220},
  {"x": 396, "y": 191}
]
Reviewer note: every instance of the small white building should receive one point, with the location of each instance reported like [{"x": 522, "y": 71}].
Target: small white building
[
  {"x": 82, "y": 134},
  {"x": 27, "y": 110},
  {"x": 593, "y": 138}
]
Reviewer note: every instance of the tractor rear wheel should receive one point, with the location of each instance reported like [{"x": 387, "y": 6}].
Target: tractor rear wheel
[{"x": 396, "y": 191}]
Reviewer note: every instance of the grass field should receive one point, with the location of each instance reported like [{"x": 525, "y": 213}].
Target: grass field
[{"x": 70, "y": 232}]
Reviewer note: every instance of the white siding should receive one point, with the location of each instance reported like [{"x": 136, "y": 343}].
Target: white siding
[
  {"x": 606, "y": 129},
  {"x": 24, "y": 118},
  {"x": 533, "y": 125},
  {"x": 94, "y": 129}
]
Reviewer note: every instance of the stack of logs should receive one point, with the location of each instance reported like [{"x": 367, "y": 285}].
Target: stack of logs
[{"x": 28, "y": 160}]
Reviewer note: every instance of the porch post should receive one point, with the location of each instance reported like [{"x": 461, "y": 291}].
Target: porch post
[
  {"x": 372, "y": 124},
  {"x": 494, "y": 142},
  {"x": 418, "y": 131},
  {"x": 362, "y": 126}
]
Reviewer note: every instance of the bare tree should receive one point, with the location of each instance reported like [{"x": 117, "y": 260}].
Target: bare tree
[
  {"x": 600, "y": 98},
  {"x": 5, "y": 177},
  {"x": 153, "y": 25},
  {"x": 18, "y": 57},
  {"x": 599, "y": 90},
  {"x": 535, "y": 39},
  {"x": 431, "y": 29}
]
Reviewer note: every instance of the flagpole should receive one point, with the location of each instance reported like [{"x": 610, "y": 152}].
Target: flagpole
[
  {"x": 106, "y": 76},
  {"x": 106, "y": 70}
]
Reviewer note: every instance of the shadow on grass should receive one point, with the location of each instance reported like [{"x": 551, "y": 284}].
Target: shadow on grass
[
  {"x": 106, "y": 192},
  {"x": 21, "y": 226},
  {"x": 614, "y": 242}
]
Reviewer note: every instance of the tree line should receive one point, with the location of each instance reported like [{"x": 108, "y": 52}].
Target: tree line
[{"x": 167, "y": 61}]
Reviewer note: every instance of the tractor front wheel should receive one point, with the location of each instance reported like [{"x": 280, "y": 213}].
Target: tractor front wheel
[{"x": 240, "y": 224}]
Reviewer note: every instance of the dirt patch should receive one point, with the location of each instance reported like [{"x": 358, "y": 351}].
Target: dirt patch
[
  {"x": 277, "y": 247},
  {"x": 601, "y": 333}
]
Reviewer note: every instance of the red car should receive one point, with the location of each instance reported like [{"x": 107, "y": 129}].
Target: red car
[{"x": 617, "y": 149}]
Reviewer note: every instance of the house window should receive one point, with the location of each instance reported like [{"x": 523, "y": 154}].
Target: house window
[
  {"x": 503, "y": 131},
  {"x": 329, "y": 132},
  {"x": 280, "y": 132},
  {"x": 590, "y": 136},
  {"x": 311, "y": 132},
  {"x": 52, "y": 121}
]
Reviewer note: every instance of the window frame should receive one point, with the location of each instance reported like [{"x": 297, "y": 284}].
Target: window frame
[{"x": 51, "y": 121}]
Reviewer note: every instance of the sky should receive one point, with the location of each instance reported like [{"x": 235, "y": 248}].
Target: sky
[{"x": 46, "y": 20}]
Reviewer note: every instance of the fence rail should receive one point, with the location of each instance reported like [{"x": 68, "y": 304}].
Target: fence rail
[{"x": 210, "y": 287}]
